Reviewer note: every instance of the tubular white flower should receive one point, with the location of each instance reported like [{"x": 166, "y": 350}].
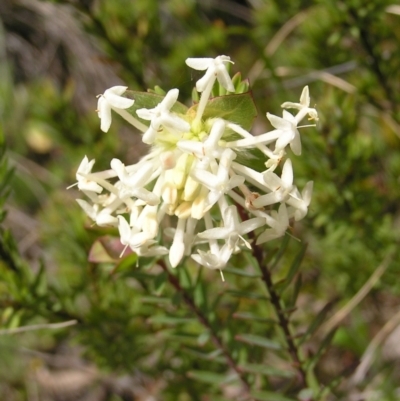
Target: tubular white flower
[
  {"x": 216, "y": 69},
  {"x": 280, "y": 187},
  {"x": 303, "y": 106},
  {"x": 299, "y": 202},
  {"x": 112, "y": 100},
  {"x": 279, "y": 223},
  {"x": 85, "y": 184},
  {"x": 131, "y": 237},
  {"x": 161, "y": 116},
  {"x": 233, "y": 229},
  {"x": 288, "y": 133}
]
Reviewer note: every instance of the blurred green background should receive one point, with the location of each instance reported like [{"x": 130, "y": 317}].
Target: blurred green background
[{"x": 56, "y": 56}]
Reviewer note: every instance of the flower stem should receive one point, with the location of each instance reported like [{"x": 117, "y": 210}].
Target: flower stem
[
  {"x": 207, "y": 324},
  {"x": 203, "y": 103},
  {"x": 282, "y": 315}
]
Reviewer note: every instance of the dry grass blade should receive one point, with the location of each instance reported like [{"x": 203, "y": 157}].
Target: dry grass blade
[
  {"x": 370, "y": 352},
  {"x": 333, "y": 80},
  {"x": 38, "y": 327},
  {"x": 338, "y": 317},
  {"x": 393, "y": 9},
  {"x": 275, "y": 42}
]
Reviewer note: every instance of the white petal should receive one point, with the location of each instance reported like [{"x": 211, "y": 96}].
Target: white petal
[
  {"x": 124, "y": 230},
  {"x": 268, "y": 235},
  {"x": 191, "y": 147},
  {"x": 105, "y": 115},
  {"x": 208, "y": 79},
  {"x": 137, "y": 240},
  {"x": 149, "y": 136},
  {"x": 272, "y": 181},
  {"x": 287, "y": 174},
  {"x": 117, "y": 90},
  {"x": 235, "y": 181},
  {"x": 225, "y": 80},
  {"x": 215, "y": 233},
  {"x": 295, "y": 145},
  {"x": 250, "y": 225},
  {"x": 199, "y": 63},
  {"x": 85, "y": 166},
  {"x": 266, "y": 200},
  {"x": 174, "y": 123},
  {"x": 176, "y": 253},
  {"x": 106, "y": 220},
  {"x": 170, "y": 98},
  {"x": 118, "y": 102},
  {"x": 307, "y": 192},
  {"x": 278, "y": 122},
  {"x": 291, "y": 105},
  {"x": 145, "y": 114},
  {"x": 87, "y": 208},
  {"x": 305, "y": 97},
  {"x": 284, "y": 139},
  {"x": 87, "y": 185}
]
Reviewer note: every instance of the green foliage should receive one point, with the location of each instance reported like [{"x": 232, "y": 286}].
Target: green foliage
[{"x": 186, "y": 327}]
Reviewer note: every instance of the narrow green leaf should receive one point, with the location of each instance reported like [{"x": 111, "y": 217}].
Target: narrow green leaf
[
  {"x": 293, "y": 268},
  {"x": 325, "y": 343},
  {"x": 246, "y": 295},
  {"x": 155, "y": 300},
  {"x": 319, "y": 319},
  {"x": 241, "y": 272},
  {"x": 172, "y": 320},
  {"x": 296, "y": 290},
  {"x": 252, "y": 316},
  {"x": 159, "y": 91},
  {"x": 269, "y": 396},
  {"x": 210, "y": 377},
  {"x": 159, "y": 282},
  {"x": 40, "y": 280},
  {"x": 214, "y": 356},
  {"x": 281, "y": 251},
  {"x": 129, "y": 262},
  {"x": 183, "y": 338},
  {"x": 177, "y": 299},
  {"x": 266, "y": 370},
  {"x": 258, "y": 340},
  {"x": 184, "y": 277},
  {"x": 200, "y": 295},
  {"x": 203, "y": 337}
]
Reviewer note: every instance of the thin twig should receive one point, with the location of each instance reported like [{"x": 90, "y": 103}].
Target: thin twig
[
  {"x": 33, "y": 327},
  {"x": 281, "y": 314},
  {"x": 335, "y": 320},
  {"x": 207, "y": 324}
]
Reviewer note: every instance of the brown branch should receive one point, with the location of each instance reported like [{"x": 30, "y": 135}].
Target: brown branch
[
  {"x": 281, "y": 313},
  {"x": 207, "y": 324}
]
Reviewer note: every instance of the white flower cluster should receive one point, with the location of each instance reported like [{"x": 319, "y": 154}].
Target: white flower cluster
[{"x": 190, "y": 178}]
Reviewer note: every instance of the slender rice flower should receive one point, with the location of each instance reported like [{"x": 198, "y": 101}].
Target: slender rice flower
[{"x": 200, "y": 191}]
